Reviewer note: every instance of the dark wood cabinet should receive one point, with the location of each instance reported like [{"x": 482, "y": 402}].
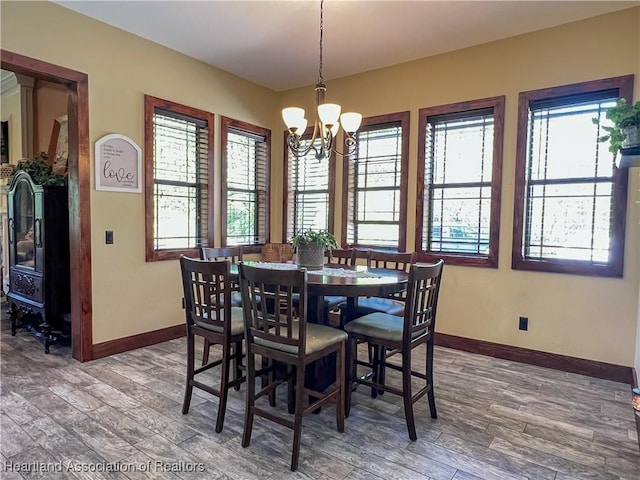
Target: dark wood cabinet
[{"x": 38, "y": 231}]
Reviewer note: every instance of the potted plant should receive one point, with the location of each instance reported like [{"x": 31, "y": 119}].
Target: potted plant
[
  {"x": 310, "y": 246},
  {"x": 40, "y": 171},
  {"x": 625, "y": 131}
]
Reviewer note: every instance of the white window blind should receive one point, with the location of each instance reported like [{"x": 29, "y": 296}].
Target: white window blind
[
  {"x": 459, "y": 153},
  {"x": 569, "y": 182},
  {"x": 247, "y": 176},
  {"x": 374, "y": 179},
  {"x": 181, "y": 176},
  {"x": 308, "y": 196}
]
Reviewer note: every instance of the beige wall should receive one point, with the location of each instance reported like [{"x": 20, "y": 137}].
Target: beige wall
[
  {"x": 593, "y": 318},
  {"x": 585, "y": 317},
  {"x": 50, "y": 102},
  {"x": 130, "y": 296}
]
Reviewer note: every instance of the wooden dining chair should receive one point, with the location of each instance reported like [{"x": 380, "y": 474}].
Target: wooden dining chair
[
  {"x": 209, "y": 314},
  {"x": 392, "y": 304},
  {"x": 393, "y": 335},
  {"x": 278, "y": 335},
  {"x": 344, "y": 256},
  {"x": 234, "y": 255}
]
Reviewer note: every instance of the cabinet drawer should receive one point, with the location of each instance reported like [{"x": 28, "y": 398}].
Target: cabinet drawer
[{"x": 29, "y": 286}]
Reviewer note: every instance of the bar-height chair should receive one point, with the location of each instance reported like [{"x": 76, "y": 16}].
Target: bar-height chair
[
  {"x": 393, "y": 304},
  {"x": 343, "y": 256},
  {"x": 399, "y": 335},
  {"x": 280, "y": 336},
  {"x": 234, "y": 255},
  {"x": 209, "y": 314}
]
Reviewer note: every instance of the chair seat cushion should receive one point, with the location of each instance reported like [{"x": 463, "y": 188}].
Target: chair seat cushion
[
  {"x": 367, "y": 305},
  {"x": 377, "y": 325},
  {"x": 237, "y": 323},
  {"x": 318, "y": 337},
  {"x": 333, "y": 301}
]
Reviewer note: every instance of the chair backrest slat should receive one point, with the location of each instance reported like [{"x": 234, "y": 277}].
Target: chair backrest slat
[
  {"x": 270, "y": 313},
  {"x": 422, "y": 299},
  {"x": 233, "y": 254},
  {"x": 343, "y": 256},
  {"x": 207, "y": 289},
  {"x": 391, "y": 260}
]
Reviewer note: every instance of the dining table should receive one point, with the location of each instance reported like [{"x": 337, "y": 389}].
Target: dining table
[{"x": 346, "y": 281}]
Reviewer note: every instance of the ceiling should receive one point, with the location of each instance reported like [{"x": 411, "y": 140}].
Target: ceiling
[{"x": 276, "y": 43}]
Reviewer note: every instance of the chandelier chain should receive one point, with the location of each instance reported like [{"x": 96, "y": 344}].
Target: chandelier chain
[{"x": 320, "y": 79}]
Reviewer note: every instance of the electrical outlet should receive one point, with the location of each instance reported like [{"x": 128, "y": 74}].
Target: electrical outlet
[{"x": 524, "y": 323}]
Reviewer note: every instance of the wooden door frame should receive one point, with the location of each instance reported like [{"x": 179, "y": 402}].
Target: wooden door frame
[{"x": 77, "y": 84}]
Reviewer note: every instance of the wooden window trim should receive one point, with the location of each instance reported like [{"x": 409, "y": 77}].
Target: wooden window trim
[
  {"x": 404, "y": 119},
  {"x": 491, "y": 259},
  {"x": 227, "y": 123},
  {"x": 615, "y": 267},
  {"x": 150, "y": 104},
  {"x": 286, "y": 221}
]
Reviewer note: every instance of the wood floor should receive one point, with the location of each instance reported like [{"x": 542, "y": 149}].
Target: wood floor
[{"x": 497, "y": 420}]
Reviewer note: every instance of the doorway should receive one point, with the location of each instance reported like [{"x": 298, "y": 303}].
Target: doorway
[{"x": 79, "y": 182}]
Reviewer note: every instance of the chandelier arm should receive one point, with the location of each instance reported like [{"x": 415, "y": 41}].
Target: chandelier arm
[
  {"x": 350, "y": 143},
  {"x": 293, "y": 141}
]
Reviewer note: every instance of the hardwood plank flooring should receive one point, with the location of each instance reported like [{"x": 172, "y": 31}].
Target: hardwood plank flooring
[{"x": 497, "y": 420}]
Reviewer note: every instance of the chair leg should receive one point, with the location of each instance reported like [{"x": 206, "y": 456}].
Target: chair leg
[
  {"x": 291, "y": 399},
  {"x": 407, "y": 394},
  {"x": 374, "y": 359},
  {"x": 429, "y": 375},
  {"x": 271, "y": 380},
  {"x": 190, "y": 359},
  {"x": 250, "y": 398},
  {"x": 352, "y": 371},
  {"x": 382, "y": 353},
  {"x": 340, "y": 381},
  {"x": 205, "y": 351},
  {"x": 266, "y": 378},
  {"x": 224, "y": 386},
  {"x": 237, "y": 360},
  {"x": 297, "y": 421}
]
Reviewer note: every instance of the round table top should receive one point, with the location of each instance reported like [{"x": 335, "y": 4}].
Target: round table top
[{"x": 338, "y": 279}]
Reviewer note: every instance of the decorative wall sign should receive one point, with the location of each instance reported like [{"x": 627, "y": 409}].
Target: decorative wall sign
[{"x": 118, "y": 164}]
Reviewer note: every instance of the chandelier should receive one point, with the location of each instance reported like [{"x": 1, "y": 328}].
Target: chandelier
[{"x": 327, "y": 121}]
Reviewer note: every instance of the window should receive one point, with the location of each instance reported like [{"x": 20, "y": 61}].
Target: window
[
  {"x": 309, "y": 191},
  {"x": 246, "y": 153},
  {"x": 460, "y": 175},
  {"x": 375, "y": 181},
  {"x": 178, "y": 162},
  {"x": 570, "y": 202}
]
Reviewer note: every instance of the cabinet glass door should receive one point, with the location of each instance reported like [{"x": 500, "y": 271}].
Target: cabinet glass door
[{"x": 24, "y": 225}]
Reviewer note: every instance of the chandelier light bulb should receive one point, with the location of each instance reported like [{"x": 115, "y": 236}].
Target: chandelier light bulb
[
  {"x": 329, "y": 113},
  {"x": 300, "y": 127},
  {"x": 351, "y": 121},
  {"x": 292, "y": 116}
]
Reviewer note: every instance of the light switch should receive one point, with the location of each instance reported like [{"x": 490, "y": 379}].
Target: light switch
[{"x": 108, "y": 237}]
